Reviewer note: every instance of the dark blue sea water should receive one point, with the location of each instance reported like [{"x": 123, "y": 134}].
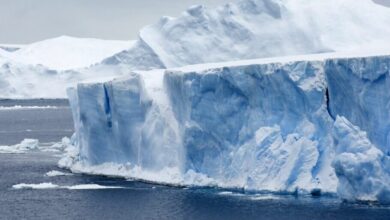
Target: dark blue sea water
[{"x": 136, "y": 200}]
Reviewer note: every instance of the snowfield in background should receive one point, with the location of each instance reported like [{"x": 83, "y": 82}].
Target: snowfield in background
[{"x": 64, "y": 53}]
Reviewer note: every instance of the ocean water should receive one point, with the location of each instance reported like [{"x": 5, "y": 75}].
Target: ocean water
[{"x": 133, "y": 199}]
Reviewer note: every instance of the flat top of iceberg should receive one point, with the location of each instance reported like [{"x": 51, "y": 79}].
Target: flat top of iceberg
[
  {"x": 204, "y": 67},
  {"x": 283, "y": 60}
]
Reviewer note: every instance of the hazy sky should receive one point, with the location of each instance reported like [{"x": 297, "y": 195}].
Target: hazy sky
[{"x": 25, "y": 21}]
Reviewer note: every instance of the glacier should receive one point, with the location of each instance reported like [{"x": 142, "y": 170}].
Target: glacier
[
  {"x": 245, "y": 29},
  {"x": 295, "y": 124}
]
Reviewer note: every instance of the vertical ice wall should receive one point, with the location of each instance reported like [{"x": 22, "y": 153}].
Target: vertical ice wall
[
  {"x": 359, "y": 89},
  {"x": 118, "y": 122},
  {"x": 267, "y": 126},
  {"x": 257, "y": 126}
]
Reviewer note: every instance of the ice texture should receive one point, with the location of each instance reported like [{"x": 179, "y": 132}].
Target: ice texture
[
  {"x": 297, "y": 124},
  {"x": 65, "y": 52},
  {"x": 362, "y": 169},
  {"x": 360, "y": 90}
]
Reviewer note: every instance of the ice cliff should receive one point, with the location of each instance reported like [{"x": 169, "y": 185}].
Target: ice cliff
[{"x": 296, "y": 124}]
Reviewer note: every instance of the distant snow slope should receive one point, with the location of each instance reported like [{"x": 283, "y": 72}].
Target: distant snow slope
[
  {"x": 10, "y": 47},
  {"x": 66, "y": 52},
  {"x": 264, "y": 28},
  {"x": 3, "y": 53}
]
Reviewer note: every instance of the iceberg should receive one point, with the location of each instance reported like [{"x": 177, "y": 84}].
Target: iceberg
[{"x": 296, "y": 124}]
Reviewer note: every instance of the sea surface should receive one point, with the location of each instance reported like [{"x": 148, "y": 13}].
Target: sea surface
[{"x": 131, "y": 199}]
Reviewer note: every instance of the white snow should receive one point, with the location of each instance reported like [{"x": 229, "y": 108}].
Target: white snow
[
  {"x": 11, "y": 47},
  {"x": 65, "y": 52},
  {"x": 251, "y": 29}
]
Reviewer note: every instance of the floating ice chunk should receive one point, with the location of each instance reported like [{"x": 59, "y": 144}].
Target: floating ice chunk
[
  {"x": 20, "y": 107},
  {"x": 55, "y": 186},
  {"x": 36, "y": 186},
  {"x": 362, "y": 169},
  {"x": 91, "y": 186},
  {"x": 25, "y": 146},
  {"x": 57, "y": 173}
]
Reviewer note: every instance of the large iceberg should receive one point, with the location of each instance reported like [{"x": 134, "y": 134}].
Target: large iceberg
[{"x": 293, "y": 124}]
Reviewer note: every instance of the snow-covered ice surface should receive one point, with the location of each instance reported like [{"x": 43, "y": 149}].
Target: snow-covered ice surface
[
  {"x": 45, "y": 69},
  {"x": 251, "y": 29},
  {"x": 10, "y": 47},
  {"x": 65, "y": 52},
  {"x": 246, "y": 29},
  {"x": 258, "y": 125}
]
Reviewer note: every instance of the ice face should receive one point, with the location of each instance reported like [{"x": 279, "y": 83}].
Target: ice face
[
  {"x": 362, "y": 169},
  {"x": 259, "y": 125},
  {"x": 226, "y": 114},
  {"x": 360, "y": 90}
]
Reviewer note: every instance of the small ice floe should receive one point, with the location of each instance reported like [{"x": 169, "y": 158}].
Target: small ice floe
[
  {"x": 36, "y": 186},
  {"x": 55, "y": 186},
  {"x": 92, "y": 186},
  {"x": 259, "y": 197},
  {"x": 225, "y": 193},
  {"x": 20, "y": 107},
  {"x": 33, "y": 145},
  {"x": 25, "y": 146},
  {"x": 57, "y": 173},
  {"x": 56, "y": 147},
  {"x": 229, "y": 193}
]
